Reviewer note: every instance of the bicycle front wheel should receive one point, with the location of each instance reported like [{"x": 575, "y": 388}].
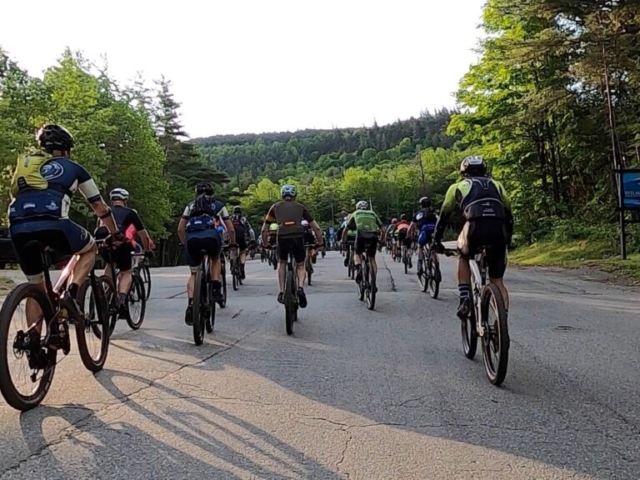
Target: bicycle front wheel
[
  {"x": 37, "y": 384},
  {"x": 92, "y": 332},
  {"x": 146, "y": 280},
  {"x": 495, "y": 341}
]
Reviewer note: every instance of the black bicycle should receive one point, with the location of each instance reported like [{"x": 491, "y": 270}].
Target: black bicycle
[
  {"x": 351, "y": 266},
  {"x": 486, "y": 299},
  {"x": 41, "y": 340},
  {"x": 236, "y": 274},
  {"x": 134, "y": 310},
  {"x": 291, "y": 294},
  {"x": 204, "y": 308},
  {"x": 367, "y": 284},
  {"x": 431, "y": 276},
  {"x": 308, "y": 263}
]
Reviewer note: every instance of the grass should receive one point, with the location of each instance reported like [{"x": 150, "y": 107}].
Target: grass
[
  {"x": 585, "y": 253},
  {"x": 5, "y": 285}
]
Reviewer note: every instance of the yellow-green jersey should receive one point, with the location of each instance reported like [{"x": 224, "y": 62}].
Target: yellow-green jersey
[{"x": 273, "y": 228}]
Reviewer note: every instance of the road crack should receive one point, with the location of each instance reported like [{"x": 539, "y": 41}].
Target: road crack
[{"x": 343, "y": 455}]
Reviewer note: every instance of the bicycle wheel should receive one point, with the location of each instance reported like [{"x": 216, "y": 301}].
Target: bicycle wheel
[
  {"x": 309, "y": 272},
  {"x": 371, "y": 290},
  {"x": 45, "y": 355},
  {"x": 96, "y": 321},
  {"x": 469, "y": 333},
  {"x": 405, "y": 260},
  {"x": 211, "y": 318},
  {"x": 495, "y": 341},
  {"x": 274, "y": 261},
  {"x": 361, "y": 285},
  {"x": 289, "y": 302},
  {"x": 136, "y": 303},
  {"x": 146, "y": 280},
  {"x": 112, "y": 300},
  {"x": 234, "y": 275},
  {"x": 199, "y": 290},
  {"x": 223, "y": 278},
  {"x": 434, "y": 278}
]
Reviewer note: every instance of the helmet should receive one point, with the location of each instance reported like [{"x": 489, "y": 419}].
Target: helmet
[
  {"x": 54, "y": 137},
  {"x": 362, "y": 205},
  {"x": 288, "y": 191},
  {"x": 204, "y": 187},
  {"x": 305, "y": 223},
  {"x": 394, "y": 221},
  {"x": 118, "y": 194},
  {"x": 237, "y": 210},
  {"x": 403, "y": 217},
  {"x": 425, "y": 202},
  {"x": 473, "y": 166}
]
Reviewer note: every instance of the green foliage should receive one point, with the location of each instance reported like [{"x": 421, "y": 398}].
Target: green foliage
[{"x": 127, "y": 137}]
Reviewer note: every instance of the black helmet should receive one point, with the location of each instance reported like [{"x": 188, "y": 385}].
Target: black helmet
[
  {"x": 403, "y": 217},
  {"x": 425, "y": 202},
  {"x": 237, "y": 210},
  {"x": 473, "y": 166},
  {"x": 204, "y": 187},
  {"x": 54, "y": 137}
]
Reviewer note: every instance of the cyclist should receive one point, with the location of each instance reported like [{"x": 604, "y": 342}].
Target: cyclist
[
  {"x": 197, "y": 232},
  {"x": 389, "y": 232},
  {"x": 121, "y": 255},
  {"x": 486, "y": 209},
  {"x": 367, "y": 226},
  {"x": 400, "y": 236},
  {"x": 244, "y": 232},
  {"x": 310, "y": 240},
  {"x": 289, "y": 214},
  {"x": 42, "y": 187},
  {"x": 348, "y": 239},
  {"x": 424, "y": 221}
]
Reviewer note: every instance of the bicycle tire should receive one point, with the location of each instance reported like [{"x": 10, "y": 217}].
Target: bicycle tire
[
  {"x": 495, "y": 374},
  {"x": 289, "y": 303},
  {"x": 198, "y": 321},
  {"x": 102, "y": 318},
  {"x": 371, "y": 291},
  {"x": 405, "y": 260},
  {"x": 138, "y": 287},
  {"x": 146, "y": 280},
  {"x": 8, "y": 390},
  {"x": 212, "y": 311},
  {"x": 309, "y": 273},
  {"x": 434, "y": 279},
  {"x": 223, "y": 278},
  {"x": 112, "y": 300},
  {"x": 469, "y": 335},
  {"x": 361, "y": 286}
]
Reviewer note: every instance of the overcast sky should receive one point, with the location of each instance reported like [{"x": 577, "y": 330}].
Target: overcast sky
[{"x": 264, "y": 65}]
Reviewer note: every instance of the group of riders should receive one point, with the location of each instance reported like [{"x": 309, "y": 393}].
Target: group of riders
[{"x": 46, "y": 179}]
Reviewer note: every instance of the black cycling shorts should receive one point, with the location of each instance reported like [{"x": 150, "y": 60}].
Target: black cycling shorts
[
  {"x": 490, "y": 233},
  {"x": 63, "y": 236},
  {"x": 367, "y": 242},
  {"x": 241, "y": 239},
  {"x": 121, "y": 256},
  {"x": 295, "y": 245}
]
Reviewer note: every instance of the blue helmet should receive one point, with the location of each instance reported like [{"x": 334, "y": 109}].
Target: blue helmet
[{"x": 288, "y": 191}]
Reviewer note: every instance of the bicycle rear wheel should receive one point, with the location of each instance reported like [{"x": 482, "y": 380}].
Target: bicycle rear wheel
[
  {"x": 199, "y": 291},
  {"x": 211, "y": 319},
  {"x": 371, "y": 289},
  {"x": 495, "y": 341},
  {"x": 111, "y": 296},
  {"x": 290, "y": 304},
  {"x": 433, "y": 279},
  {"x": 136, "y": 298},
  {"x": 18, "y": 400},
  {"x": 309, "y": 269},
  {"x": 146, "y": 280},
  {"x": 223, "y": 278},
  {"x": 95, "y": 322}
]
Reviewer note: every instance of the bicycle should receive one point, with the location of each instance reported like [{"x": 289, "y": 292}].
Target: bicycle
[
  {"x": 351, "y": 268},
  {"x": 367, "y": 284},
  {"x": 41, "y": 352},
  {"x": 135, "y": 296},
  {"x": 204, "y": 308},
  {"x": 486, "y": 297},
  {"x": 142, "y": 270},
  {"x": 236, "y": 276},
  {"x": 406, "y": 258},
  {"x": 223, "y": 278},
  {"x": 431, "y": 276}
]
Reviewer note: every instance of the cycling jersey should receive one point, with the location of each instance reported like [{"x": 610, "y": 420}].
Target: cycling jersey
[
  {"x": 204, "y": 220},
  {"x": 364, "y": 221},
  {"x": 425, "y": 221},
  {"x": 288, "y": 214},
  {"x": 126, "y": 218}
]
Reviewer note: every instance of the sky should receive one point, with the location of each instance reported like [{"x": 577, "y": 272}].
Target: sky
[{"x": 241, "y": 66}]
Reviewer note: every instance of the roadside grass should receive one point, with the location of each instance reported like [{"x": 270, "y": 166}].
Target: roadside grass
[
  {"x": 5, "y": 285},
  {"x": 585, "y": 253}
]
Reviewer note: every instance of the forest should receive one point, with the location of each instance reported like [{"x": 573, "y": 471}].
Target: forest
[{"x": 552, "y": 105}]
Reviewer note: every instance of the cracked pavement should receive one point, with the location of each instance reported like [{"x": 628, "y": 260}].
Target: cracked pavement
[{"x": 353, "y": 394}]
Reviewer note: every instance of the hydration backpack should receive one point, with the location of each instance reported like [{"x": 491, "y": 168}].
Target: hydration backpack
[
  {"x": 483, "y": 200},
  {"x": 27, "y": 175}
]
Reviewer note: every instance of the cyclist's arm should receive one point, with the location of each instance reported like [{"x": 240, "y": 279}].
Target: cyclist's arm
[
  {"x": 268, "y": 220},
  {"x": 182, "y": 225},
  {"x": 448, "y": 206},
  {"x": 90, "y": 191},
  {"x": 224, "y": 218}
]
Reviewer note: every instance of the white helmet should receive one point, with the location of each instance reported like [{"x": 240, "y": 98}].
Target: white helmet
[
  {"x": 118, "y": 194},
  {"x": 305, "y": 223},
  {"x": 362, "y": 205}
]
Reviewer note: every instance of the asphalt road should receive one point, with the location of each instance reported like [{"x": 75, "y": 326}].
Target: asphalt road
[{"x": 354, "y": 394}]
